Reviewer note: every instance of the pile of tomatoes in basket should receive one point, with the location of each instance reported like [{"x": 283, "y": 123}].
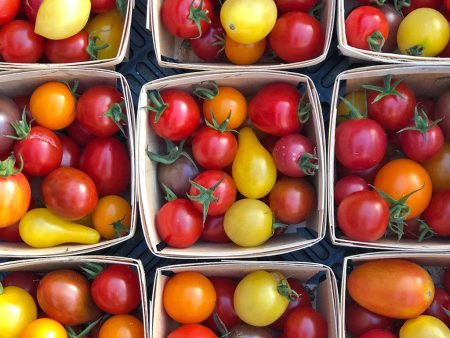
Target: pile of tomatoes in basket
[
  {"x": 226, "y": 157},
  {"x": 60, "y": 31},
  {"x": 63, "y": 162},
  {"x": 381, "y": 306},
  {"x": 245, "y": 30},
  {"x": 96, "y": 302},
  {"x": 415, "y": 27},
  {"x": 392, "y": 163},
  {"x": 262, "y": 304}
]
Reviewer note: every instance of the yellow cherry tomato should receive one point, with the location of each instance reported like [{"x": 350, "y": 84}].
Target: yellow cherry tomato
[
  {"x": 424, "y": 327},
  {"x": 358, "y": 99},
  {"x": 108, "y": 27},
  {"x": 248, "y": 21},
  {"x": 244, "y": 53},
  {"x": 61, "y": 19},
  {"x": 44, "y": 328},
  {"x": 52, "y": 105},
  {"x": 17, "y": 310},
  {"x": 112, "y": 216},
  {"x": 423, "y": 32}
]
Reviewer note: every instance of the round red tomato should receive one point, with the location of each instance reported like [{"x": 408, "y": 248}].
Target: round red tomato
[
  {"x": 72, "y": 49},
  {"x": 26, "y": 280},
  {"x": 213, "y": 230},
  {"x": 305, "y": 322},
  {"x": 192, "y": 330},
  {"x": 100, "y": 110},
  {"x": 367, "y": 174},
  {"x": 106, "y": 161},
  {"x": 439, "y": 306},
  {"x": 10, "y": 233},
  {"x": 366, "y": 28},
  {"x": 178, "y": 223},
  {"x": 19, "y": 43},
  {"x": 116, "y": 289},
  {"x": 100, "y": 6},
  {"x": 209, "y": 46},
  {"x": 347, "y": 186},
  {"x": 359, "y": 320},
  {"x": 363, "y": 216},
  {"x": 285, "y": 6},
  {"x": 213, "y": 192},
  {"x": 275, "y": 109},
  {"x": 8, "y": 10},
  {"x": 297, "y": 37},
  {"x": 178, "y": 21},
  {"x": 437, "y": 214},
  {"x": 174, "y": 114},
  {"x": 31, "y": 7},
  {"x": 71, "y": 152},
  {"x": 378, "y": 333}
]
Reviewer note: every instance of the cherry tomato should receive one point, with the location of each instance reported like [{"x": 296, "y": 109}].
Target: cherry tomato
[
  {"x": 177, "y": 176},
  {"x": 285, "y": 6},
  {"x": 71, "y": 152},
  {"x": 19, "y": 43},
  {"x": 305, "y": 322},
  {"x": 436, "y": 4},
  {"x": 73, "y": 49},
  {"x": 439, "y": 169},
  {"x": 100, "y": 6},
  {"x": 69, "y": 193},
  {"x": 437, "y": 213},
  {"x": 8, "y": 10},
  {"x": 31, "y": 7},
  {"x": 363, "y": 216},
  {"x": 393, "y": 18},
  {"x": 100, "y": 110},
  {"x": 209, "y": 47},
  {"x": 112, "y": 216},
  {"x": 79, "y": 134},
  {"x": 347, "y": 186},
  {"x": 52, "y": 105},
  {"x": 297, "y": 37},
  {"x": 244, "y": 53},
  {"x": 120, "y": 326},
  {"x": 378, "y": 333},
  {"x": 26, "y": 280},
  {"x": 439, "y": 306},
  {"x": 359, "y": 320},
  {"x": 10, "y": 233},
  {"x": 189, "y": 297},
  {"x": 44, "y": 328},
  {"x": 106, "y": 161},
  {"x": 192, "y": 330},
  {"x": 9, "y": 113},
  {"x": 401, "y": 177},
  {"x": 213, "y": 230}
]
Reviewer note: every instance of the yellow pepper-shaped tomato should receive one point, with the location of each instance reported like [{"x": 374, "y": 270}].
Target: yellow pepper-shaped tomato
[
  {"x": 424, "y": 327},
  {"x": 254, "y": 170},
  {"x": 108, "y": 28},
  {"x": 61, "y": 19},
  {"x": 40, "y": 228}
]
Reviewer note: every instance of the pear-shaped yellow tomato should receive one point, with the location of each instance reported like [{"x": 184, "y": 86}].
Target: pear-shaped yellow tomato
[
  {"x": 424, "y": 327},
  {"x": 61, "y": 19},
  {"x": 17, "y": 310},
  {"x": 108, "y": 28},
  {"x": 253, "y": 170},
  {"x": 248, "y": 21}
]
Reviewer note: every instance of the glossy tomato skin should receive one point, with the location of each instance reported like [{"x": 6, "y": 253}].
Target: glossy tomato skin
[
  {"x": 116, "y": 289},
  {"x": 179, "y": 224},
  {"x": 347, "y": 186},
  {"x": 439, "y": 305},
  {"x": 192, "y": 330},
  {"x": 378, "y": 333},
  {"x": 437, "y": 214},
  {"x": 19, "y": 43},
  {"x": 176, "y": 176},
  {"x": 106, "y": 161},
  {"x": 72, "y": 49},
  {"x": 79, "y": 133},
  {"x": 26, "y": 280},
  {"x": 442, "y": 111},
  {"x": 181, "y": 117},
  {"x": 175, "y": 15},
  {"x": 393, "y": 18},
  {"x": 71, "y": 152},
  {"x": 360, "y": 144},
  {"x": 243, "y": 53},
  {"x": 274, "y": 109},
  {"x": 213, "y": 230},
  {"x": 9, "y": 113},
  {"x": 297, "y": 37},
  {"x": 207, "y": 47},
  {"x": 10, "y": 233},
  {"x": 31, "y": 8},
  {"x": 92, "y": 106},
  {"x": 439, "y": 169},
  {"x": 285, "y": 6},
  {"x": 305, "y": 322},
  {"x": 100, "y": 6},
  {"x": 367, "y": 174},
  {"x": 8, "y": 10},
  {"x": 224, "y": 303},
  {"x": 120, "y": 326},
  {"x": 363, "y": 216},
  {"x": 64, "y": 295},
  {"x": 359, "y": 320},
  {"x": 362, "y": 22},
  {"x": 41, "y": 151}
]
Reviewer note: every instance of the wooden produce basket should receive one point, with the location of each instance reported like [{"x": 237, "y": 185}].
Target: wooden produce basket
[
  {"x": 151, "y": 198},
  {"x": 317, "y": 277},
  {"x": 23, "y": 83},
  {"x": 170, "y": 52}
]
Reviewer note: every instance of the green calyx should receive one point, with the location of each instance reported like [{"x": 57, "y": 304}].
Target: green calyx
[
  {"x": 197, "y": 14},
  {"x": 115, "y": 113},
  {"x": 205, "y": 197},
  {"x": 7, "y": 167},
  {"x": 399, "y": 4},
  {"x": 119, "y": 228},
  {"x": 170, "y": 195},
  {"x": 317, "y": 10},
  {"x": 308, "y": 164},
  {"x": 353, "y": 112},
  {"x": 158, "y": 105},
  {"x": 22, "y": 127},
  {"x": 285, "y": 290},
  {"x": 121, "y": 6},
  {"x": 174, "y": 152},
  {"x": 425, "y": 232},
  {"x": 421, "y": 122},
  {"x": 89, "y": 327},
  {"x": 303, "y": 110},
  {"x": 92, "y": 48},
  {"x": 207, "y": 90},
  {"x": 416, "y": 50},
  {"x": 387, "y": 89},
  {"x": 376, "y": 41},
  {"x": 379, "y": 2},
  {"x": 92, "y": 270},
  {"x": 220, "y": 127},
  {"x": 72, "y": 87}
]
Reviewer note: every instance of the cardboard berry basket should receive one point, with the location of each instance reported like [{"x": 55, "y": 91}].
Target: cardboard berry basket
[
  {"x": 317, "y": 278},
  {"x": 434, "y": 263},
  {"x": 23, "y": 83},
  {"x": 170, "y": 52},
  {"x": 344, "y": 7},
  {"x": 425, "y": 81},
  {"x": 151, "y": 198},
  {"x": 74, "y": 263},
  {"x": 104, "y": 63}
]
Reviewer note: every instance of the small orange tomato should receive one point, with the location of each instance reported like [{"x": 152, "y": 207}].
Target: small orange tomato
[
  {"x": 189, "y": 297},
  {"x": 52, "y": 105},
  {"x": 401, "y": 177},
  {"x": 112, "y": 216},
  {"x": 244, "y": 54},
  {"x": 122, "y": 326},
  {"x": 44, "y": 328}
]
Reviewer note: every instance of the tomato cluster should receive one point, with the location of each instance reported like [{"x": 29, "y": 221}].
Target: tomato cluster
[
  {"x": 63, "y": 166},
  {"x": 96, "y": 302},
  {"x": 59, "y": 31},
  {"x": 391, "y": 159},
  {"x": 381, "y": 307},
  {"x": 262, "y": 304},
  {"x": 244, "y": 29},
  {"x": 413, "y": 27},
  {"x": 203, "y": 184}
]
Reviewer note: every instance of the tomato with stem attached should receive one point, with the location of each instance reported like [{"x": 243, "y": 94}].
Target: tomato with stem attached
[
  {"x": 112, "y": 216},
  {"x": 348, "y": 185}
]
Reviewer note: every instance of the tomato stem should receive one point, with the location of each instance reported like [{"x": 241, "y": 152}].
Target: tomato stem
[
  {"x": 7, "y": 167},
  {"x": 353, "y": 113},
  {"x": 416, "y": 50},
  {"x": 303, "y": 110},
  {"x": 92, "y": 48},
  {"x": 220, "y": 324},
  {"x": 116, "y": 114},
  {"x": 421, "y": 122},
  {"x": 170, "y": 195},
  {"x": 285, "y": 290},
  {"x": 174, "y": 152},
  {"x": 386, "y": 90},
  {"x": 121, "y": 6},
  {"x": 308, "y": 164},
  {"x": 222, "y": 127},
  {"x": 73, "y": 88},
  {"x": 71, "y": 333},
  {"x": 159, "y": 105},
  {"x": 197, "y": 14},
  {"x": 204, "y": 92},
  {"x": 205, "y": 197},
  {"x": 22, "y": 127},
  {"x": 119, "y": 228},
  {"x": 92, "y": 270},
  {"x": 425, "y": 231},
  {"x": 376, "y": 41},
  {"x": 316, "y": 10},
  {"x": 399, "y": 4}
]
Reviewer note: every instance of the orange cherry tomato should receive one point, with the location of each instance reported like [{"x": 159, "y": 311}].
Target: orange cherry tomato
[
  {"x": 439, "y": 169},
  {"x": 112, "y": 216},
  {"x": 44, "y": 328},
  {"x": 52, "y": 105},
  {"x": 244, "y": 54},
  {"x": 401, "y": 177},
  {"x": 122, "y": 326},
  {"x": 189, "y": 297}
]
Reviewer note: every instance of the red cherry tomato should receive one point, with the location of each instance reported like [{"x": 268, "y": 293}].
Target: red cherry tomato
[
  {"x": 31, "y": 8},
  {"x": 359, "y": 320},
  {"x": 347, "y": 186},
  {"x": 72, "y": 49},
  {"x": 305, "y": 322},
  {"x": 8, "y": 10},
  {"x": 26, "y": 280},
  {"x": 378, "y": 333},
  {"x": 70, "y": 152},
  {"x": 79, "y": 133},
  {"x": 100, "y": 6},
  {"x": 285, "y": 6},
  {"x": 213, "y": 230},
  {"x": 192, "y": 330},
  {"x": 10, "y": 233},
  {"x": 437, "y": 213},
  {"x": 207, "y": 47},
  {"x": 439, "y": 306}
]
